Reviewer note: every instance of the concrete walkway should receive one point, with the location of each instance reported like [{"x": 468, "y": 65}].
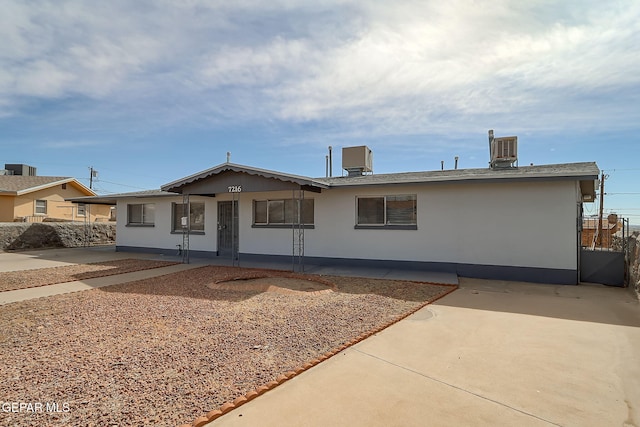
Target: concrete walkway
[
  {"x": 489, "y": 354},
  {"x": 83, "y": 285},
  {"x": 45, "y": 258},
  {"x": 28, "y": 260}
]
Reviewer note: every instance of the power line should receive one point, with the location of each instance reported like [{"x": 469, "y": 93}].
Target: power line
[
  {"x": 123, "y": 185},
  {"x": 617, "y": 194}
]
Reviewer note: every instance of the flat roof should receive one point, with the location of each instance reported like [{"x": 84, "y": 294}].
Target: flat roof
[
  {"x": 111, "y": 199},
  {"x": 585, "y": 171},
  {"x": 574, "y": 171}
]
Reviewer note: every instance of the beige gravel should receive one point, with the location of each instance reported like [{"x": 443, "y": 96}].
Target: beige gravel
[
  {"x": 166, "y": 350},
  {"x": 12, "y": 280}
]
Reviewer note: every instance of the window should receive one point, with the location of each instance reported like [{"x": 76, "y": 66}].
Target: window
[
  {"x": 142, "y": 214},
  {"x": 196, "y": 216},
  {"x": 282, "y": 212},
  {"x": 41, "y": 207},
  {"x": 390, "y": 211},
  {"x": 82, "y": 209}
]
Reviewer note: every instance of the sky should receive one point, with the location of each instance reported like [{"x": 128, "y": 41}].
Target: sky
[{"x": 147, "y": 92}]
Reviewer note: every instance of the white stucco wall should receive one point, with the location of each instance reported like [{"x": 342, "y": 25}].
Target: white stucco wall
[
  {"x": 526, "y": 224},
  {"x": 506, "y": 224},
  {"x": 159, "y": 236}
]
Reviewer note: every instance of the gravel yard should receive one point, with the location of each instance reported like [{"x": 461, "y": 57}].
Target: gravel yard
[
  {"x": 166, "y": 350},
  {"x": 12, "y": 280}
]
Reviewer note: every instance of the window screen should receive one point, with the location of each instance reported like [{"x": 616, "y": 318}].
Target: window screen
[
  {"x": 141, "y": 214},
  {"x": 285, "y": 211},
  {"x": 387, "y": 210}
]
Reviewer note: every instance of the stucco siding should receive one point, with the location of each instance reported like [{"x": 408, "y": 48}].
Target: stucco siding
[
  {"x": 272, "y": 241},
  {"x": 6, "y": 208},
  {"x": 57, "y": 207},
  {"x": 529, "y": 225},
  {"x": 159, "y": 236},
  {"x": 495, "y": 224}
]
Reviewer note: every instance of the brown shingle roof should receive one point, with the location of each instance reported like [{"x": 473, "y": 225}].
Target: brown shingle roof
[{"x": 19, "y": 184}]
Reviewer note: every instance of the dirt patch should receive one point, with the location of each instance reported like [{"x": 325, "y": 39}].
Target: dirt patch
[
  {"x": 166, "y": 350},
  {"x": 282, "y": 285},
  {"x": 23, "y": 279}
]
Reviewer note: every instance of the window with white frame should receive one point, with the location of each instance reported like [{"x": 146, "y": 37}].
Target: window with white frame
[
  {"x": 141, "y": 214},
  {"x": 82, "y": 209},
  {"x": 196, "y": 216},
  {"x": 283, "y": 212},
  {"x": 41, "y": 207},
  {"x": 391, "y": 211}
]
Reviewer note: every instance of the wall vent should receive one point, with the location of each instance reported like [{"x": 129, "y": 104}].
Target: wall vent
[{"x": 357, "y": 160}]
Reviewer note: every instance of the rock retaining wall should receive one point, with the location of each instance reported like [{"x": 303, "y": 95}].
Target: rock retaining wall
[{"x": 21, "y": 236}]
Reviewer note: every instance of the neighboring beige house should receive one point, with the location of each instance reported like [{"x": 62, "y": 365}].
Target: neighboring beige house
[
  {"x": 42, "y": 198},
  {"x": 591, "y": 226}
]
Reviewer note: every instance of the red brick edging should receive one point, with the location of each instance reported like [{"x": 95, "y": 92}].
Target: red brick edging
[{"x": 239, "y": 401}]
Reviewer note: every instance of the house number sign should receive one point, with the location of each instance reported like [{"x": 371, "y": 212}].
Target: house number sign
[{"x": 235, "y": 188}]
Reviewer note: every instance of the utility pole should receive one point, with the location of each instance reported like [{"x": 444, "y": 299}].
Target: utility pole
[
  {"x": 599, "y": 240},
  {"x": 93, "y": 173}
]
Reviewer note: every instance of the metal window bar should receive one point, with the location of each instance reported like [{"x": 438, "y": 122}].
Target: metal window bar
[
  {"x": 87, "y": 226},
  {"x": 297, "y": 228},
  {"x": 626, "y": 234},
  {"x": 186, "y": 227},
  {"x": 235, "y": 244}
]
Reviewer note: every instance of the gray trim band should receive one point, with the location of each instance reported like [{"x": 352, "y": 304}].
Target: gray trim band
[{"x": 479, "y": 271}]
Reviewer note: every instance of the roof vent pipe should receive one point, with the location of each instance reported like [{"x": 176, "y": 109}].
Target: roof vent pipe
[
  {"x": 330, "y": 162},
  {"x": 441, "y": 164},
  {"x": 456, "y": 166},
  {"x": 326, "y": 166},
  {"x": 228, "y": 156}
]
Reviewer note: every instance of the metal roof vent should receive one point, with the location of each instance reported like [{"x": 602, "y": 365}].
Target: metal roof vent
[
  {"x": 357, "y": 160},
  {"x": 504, "y": 151}
]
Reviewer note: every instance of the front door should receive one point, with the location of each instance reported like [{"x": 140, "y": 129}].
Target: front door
[{"x": 228, "y": 228}]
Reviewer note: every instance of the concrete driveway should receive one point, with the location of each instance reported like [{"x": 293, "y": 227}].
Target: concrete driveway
[{"x": 489, "y": 354}]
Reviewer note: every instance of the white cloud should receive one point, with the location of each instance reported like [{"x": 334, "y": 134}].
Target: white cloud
[
  {"x": 387, "y": 67},
  {"x": 458, "y": 58},
  {"x": 42, "y": 79},
  {"x": 254, "y": 65}
]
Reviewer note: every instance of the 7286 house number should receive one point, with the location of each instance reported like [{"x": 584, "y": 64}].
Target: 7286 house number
[{"x": 235, "y": 188}]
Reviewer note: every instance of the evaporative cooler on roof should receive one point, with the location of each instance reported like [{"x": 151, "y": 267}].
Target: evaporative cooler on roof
[
  {"x": 504, "y": 151},
  {"x": 357, "y": 160}
]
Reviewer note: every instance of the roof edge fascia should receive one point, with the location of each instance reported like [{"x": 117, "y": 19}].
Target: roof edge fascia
[
  {"x": 47, "y": 185},
  {"x": 303, "y": 180}
]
